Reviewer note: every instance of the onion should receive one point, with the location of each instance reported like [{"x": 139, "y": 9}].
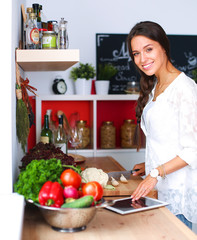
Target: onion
[{"x": 70, "y": 192}]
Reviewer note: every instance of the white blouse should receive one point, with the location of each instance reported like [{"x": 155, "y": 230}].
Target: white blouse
[{"x": 170, "y": 126}]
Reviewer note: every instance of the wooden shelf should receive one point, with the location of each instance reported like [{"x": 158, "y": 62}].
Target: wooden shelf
[{"x": 47, "y": 60}]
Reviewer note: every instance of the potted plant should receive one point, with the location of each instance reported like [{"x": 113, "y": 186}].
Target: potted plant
[
  {"x": 82, "y": 77},
  {"x": 194, "y": 74},
  {"x": 104, "y": 74}
]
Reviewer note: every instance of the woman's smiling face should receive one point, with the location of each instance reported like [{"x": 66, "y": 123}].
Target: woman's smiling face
[{"x": 148, "y": 55}]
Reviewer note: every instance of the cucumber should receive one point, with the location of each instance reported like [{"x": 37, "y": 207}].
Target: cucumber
[{"x": 82, "y": 202}]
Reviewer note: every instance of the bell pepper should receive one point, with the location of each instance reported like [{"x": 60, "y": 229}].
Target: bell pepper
[{"x": 51, "y": 194}]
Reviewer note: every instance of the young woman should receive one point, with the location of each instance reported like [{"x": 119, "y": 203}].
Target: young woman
[{"x": 167, "y": 111}]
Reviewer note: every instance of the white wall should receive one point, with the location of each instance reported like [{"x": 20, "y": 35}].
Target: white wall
[
  {"x": 8, "y": 142},
  {"x": 86, "y": 18},
  {"x": 5, "y": 106},
  {"x": 17, "y": 152},
  {"x": 9, "y": 147}
]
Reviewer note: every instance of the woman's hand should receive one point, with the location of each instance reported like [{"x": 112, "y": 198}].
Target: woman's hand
[
  {"x": 141, "y": 172},
  {"x": 144, "y": 188}
]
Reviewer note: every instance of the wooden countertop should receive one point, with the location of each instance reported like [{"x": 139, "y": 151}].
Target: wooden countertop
[
  {"x": 107, "y": 164},
  {"x": 157, "y": 224},
  {"x": 153, "y": 224}
]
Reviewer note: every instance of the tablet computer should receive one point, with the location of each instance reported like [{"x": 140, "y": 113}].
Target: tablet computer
[{"x": 125, "y": 205}]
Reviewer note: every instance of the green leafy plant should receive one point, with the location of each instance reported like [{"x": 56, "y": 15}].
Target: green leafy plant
[
  {"x": 86, "y": 71},
  {"x": 37, "y": 172},
  {"x": 194, "y": 74},
  {"x": 106, "y": 71}
]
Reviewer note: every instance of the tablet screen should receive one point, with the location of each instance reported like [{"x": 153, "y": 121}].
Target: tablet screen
[{"x": 125, "y": 205}]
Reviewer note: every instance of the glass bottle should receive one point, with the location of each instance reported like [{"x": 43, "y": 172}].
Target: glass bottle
[
  {"x": 37, "y": 8},
  {"x": 108, "y": 135},
  {"x": 29, "y": 10},
  {"x": 32, "y": 33},
  {"x": 46, "y": 133},
  {"x": 127, "y": 131},
  {"x": 52, "y": 125},
  {"x": 60, "y": 138},
  {"x": 62, "y": 35}
]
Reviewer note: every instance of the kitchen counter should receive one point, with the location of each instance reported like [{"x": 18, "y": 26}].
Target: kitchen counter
[
  {"x": 109, "y": 164},
  {"x": 153, "y": 224}
]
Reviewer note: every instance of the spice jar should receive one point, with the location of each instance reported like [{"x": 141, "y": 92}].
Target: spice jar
[
  {"x": 85, "y": 133},
  {"x": 108, "y": 135},
  {"x": 49, "y": 40},
  {"x": 126, "y": 133}
]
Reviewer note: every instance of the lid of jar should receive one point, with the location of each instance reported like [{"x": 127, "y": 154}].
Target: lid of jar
[
  {"x": 30, "y": 10},
  {"x": 129, "y": 120},
  {"x": 49, "y": 32},
  {"x": 52, "y": 21},
  {"x": 43, "y": 29},
  {"x": 107, "y": 122},
  {"x": 62, "y": 20},
  {"x": 81, "y": 121}
]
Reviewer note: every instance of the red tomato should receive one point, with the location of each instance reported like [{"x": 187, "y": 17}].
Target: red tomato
[
  {"x": 93, "y": 188},
  {"x": 80, "y": 193},
  {"x": 70, "y": 178}
]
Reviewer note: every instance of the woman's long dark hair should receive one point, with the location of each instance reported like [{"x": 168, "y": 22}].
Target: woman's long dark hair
[{"x": 156, "y": 33}]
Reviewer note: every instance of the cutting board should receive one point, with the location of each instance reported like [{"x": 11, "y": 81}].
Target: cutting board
[
  {"x": 126, "y": 189},
  {"x": 123, "y": 189}
]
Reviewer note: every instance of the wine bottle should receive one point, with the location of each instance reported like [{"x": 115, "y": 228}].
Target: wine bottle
[
  {"x": 52, "y": 124},
  {"x": 46, "y": 133},
  {"x": 60, "y": 138},
  {"x": 37, "y": 8}
]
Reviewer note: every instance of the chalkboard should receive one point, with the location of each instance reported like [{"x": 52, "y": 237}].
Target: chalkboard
[{"x": 112, "y": 48}]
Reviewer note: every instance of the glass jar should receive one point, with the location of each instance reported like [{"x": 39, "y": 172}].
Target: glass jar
[
  {"x": 53, "y": 26},
  {"x": 49, "y": 40},
  {"x": 133, "y": 87},
  {"x": 127, "y": 131},
  {"x": 41, "y": 30},
  {"x": 108, "y": 135},
  {"x": 85, "y": 133}
]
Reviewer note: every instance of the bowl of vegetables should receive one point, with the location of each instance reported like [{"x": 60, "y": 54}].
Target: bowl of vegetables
[
  {"x": 66, "y": 203},
  {"x": 71, "y": 208}
]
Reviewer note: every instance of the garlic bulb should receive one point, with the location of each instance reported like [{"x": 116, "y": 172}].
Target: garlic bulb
[
  {"x": 114, "y": 182},
  {"x": 123, "y": 179}
]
